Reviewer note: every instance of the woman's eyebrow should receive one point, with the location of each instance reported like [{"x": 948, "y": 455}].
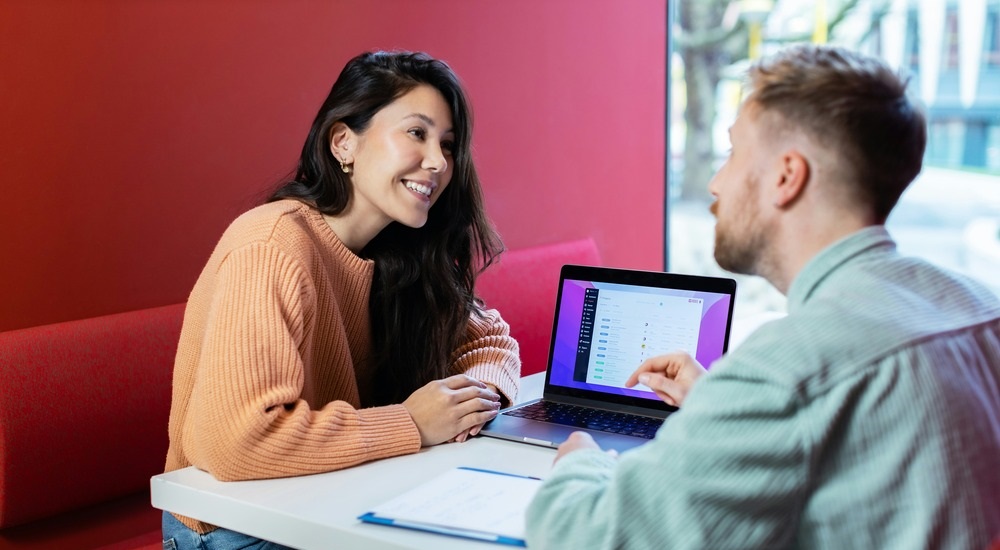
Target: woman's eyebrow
[{"x": 428, "y": 120}]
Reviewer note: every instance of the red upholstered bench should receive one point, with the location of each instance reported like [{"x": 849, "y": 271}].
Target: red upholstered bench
[
  {"x": 84, "y": 408},
  {"x": 83, "y": 426},
  {"x": 522, "y": 286}
]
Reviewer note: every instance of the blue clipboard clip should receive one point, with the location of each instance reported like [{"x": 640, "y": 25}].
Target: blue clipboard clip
[{"x": 370, "y": 517}]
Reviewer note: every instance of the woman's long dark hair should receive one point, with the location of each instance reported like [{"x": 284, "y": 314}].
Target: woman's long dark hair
[{"x": 423, "y": 292}]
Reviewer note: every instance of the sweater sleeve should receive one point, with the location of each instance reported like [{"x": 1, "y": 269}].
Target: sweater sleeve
[
  {"x": 247, "y": 418},
  {"x": 490, "y": 354}
]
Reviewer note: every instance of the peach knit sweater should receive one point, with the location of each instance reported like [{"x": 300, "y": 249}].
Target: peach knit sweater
[{"x": 273, "y": 369}]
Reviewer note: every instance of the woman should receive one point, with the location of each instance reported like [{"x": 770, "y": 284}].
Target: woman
[{"x": 337, "y": 323}]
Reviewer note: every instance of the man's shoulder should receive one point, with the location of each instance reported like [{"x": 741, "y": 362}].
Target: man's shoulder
[
  {"x": 908, "y": 295},
  {"x": 867, "y": 314}
]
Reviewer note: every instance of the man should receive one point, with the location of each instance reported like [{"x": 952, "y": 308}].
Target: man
[{"x": 869, "y": 417}]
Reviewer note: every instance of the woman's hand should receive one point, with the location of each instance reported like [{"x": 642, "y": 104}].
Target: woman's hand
[
  {"x": 670, "y": 375},
  {"x": 451, "y": 408},
  {"x": 473, "y": 431}
]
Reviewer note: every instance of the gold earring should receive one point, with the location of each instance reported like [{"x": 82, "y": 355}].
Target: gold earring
[{"x": 346, "y": 168}]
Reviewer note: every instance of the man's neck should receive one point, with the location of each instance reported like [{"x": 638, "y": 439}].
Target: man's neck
[{"x": 801, "y": 237}]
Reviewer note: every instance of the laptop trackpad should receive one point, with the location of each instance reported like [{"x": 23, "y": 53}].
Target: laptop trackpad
[{"x": 551, "y": 435}]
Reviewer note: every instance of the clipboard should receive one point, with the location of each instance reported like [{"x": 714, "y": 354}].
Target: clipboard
[{"x": 464, "y": 502}]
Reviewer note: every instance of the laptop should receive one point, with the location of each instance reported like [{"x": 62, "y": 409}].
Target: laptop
[{"x": 607, "y": 321}]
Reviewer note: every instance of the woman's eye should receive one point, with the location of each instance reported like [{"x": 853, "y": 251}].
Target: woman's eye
[
  {"x": 418, "y": 133},
  {"x": 448, "y": 146}
]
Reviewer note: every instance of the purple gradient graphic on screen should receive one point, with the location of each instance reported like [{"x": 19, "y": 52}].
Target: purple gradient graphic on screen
[{"x": 712, "y": 332}]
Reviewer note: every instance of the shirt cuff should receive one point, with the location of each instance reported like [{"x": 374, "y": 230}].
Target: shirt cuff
[{"x": 589, "y": 460}]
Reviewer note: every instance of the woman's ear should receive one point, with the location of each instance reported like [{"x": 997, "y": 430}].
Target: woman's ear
[{"x": 343, "y": 141}]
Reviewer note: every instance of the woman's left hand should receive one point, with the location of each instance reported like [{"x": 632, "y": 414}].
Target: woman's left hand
[{"x": 473, "y": 431}]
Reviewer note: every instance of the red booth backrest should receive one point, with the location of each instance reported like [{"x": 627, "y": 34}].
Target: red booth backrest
[
  {"x": 83, "y": 410},
  {"x": 522, "y": 286}
]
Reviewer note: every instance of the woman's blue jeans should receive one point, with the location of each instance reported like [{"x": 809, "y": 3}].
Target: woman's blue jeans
[{"x": 177, "y": 536}]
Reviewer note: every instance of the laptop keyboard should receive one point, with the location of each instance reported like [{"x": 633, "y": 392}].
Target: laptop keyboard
[{"x": 592, "y": 419}]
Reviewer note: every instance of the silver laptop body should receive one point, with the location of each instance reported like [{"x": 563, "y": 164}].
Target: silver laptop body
[{"x": 606, "y": 322}]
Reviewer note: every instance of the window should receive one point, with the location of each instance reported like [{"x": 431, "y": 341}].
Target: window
[
  {"x": 912, "y": 54},
  {"x": 944, "y": 142},
  {"x": 991, "y": 57},
  {"x": 876, "y": 37},
  {"x": 934, "y": 216},
  {"x": 993, "y": 147},
  {"x": 951, "y": 39}
]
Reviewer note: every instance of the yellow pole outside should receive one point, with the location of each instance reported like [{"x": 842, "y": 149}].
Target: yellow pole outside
[
  {"x": 820, "y": 30},
  {"x": 755, "y": 39},
  {"x": 755, "y": 12}
]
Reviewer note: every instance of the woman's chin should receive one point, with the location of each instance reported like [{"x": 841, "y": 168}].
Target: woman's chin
[{"x": 414, "y": 223}]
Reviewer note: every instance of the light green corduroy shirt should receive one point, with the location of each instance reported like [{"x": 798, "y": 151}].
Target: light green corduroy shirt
[{"x": 869, "y": 417}]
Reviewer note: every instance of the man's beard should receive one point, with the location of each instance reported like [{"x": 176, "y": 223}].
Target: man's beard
[
  {"x": 739, "y": 253},
  {"x": 740, "y": 243}
]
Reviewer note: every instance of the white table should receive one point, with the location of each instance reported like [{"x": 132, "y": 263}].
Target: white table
[{"x": 320, "y": 511}]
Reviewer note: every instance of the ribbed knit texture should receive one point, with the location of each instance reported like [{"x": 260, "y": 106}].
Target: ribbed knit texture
[
  {"x": 869, "y": 417},
  {"x": 273, "y": 365}
]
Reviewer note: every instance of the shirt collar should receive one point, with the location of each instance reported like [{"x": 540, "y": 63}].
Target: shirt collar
[{"x": 831, "y": 258}]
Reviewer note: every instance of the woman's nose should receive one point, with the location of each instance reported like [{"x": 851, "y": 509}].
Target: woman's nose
[{"x": 435, "y": 159}]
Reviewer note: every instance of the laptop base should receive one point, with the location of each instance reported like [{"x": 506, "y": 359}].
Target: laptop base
[{"x": 545, "y": 434}]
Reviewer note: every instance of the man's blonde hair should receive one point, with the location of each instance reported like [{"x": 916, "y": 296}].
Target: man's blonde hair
[{"x": 854, "y": 105}]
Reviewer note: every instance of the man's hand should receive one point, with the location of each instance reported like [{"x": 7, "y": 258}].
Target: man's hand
[
  {"x": 444, "y": 409},
  {"x": 577, "y": 441},
  {"x": 670, "y": 376}
]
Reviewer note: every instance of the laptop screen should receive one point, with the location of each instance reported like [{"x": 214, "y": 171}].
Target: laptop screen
[{"x": 604, "y": 329}]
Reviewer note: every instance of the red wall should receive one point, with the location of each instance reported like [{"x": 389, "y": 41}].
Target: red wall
[{"x": 133, "y": 132}]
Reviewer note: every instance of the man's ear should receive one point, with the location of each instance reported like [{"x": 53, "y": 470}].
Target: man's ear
[
  {"x": 343, "y": 142},
  {"x": 794, "y": 173}
]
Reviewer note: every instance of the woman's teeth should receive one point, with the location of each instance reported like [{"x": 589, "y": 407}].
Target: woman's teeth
[{"x": 422, "y": 189}]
